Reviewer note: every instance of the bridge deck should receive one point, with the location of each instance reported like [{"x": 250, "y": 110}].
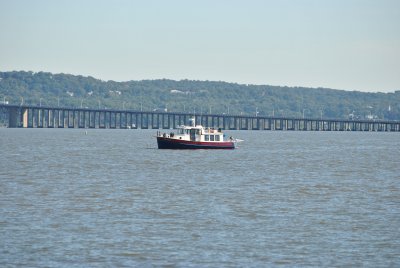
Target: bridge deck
[{"x": 26, "y": 116}]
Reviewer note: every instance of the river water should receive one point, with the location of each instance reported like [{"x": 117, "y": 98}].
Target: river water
[{"x": 282, "y": 199}]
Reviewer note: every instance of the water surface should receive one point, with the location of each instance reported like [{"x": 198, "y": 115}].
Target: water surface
[{"x": 109, "y": 198}]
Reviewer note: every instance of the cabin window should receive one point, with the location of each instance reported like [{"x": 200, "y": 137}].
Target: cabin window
[
  {"x": 198, "y": 131},
  {"x": 206, "y": 137},
  {"x": 216, "y": 137},
  {"x": 211, "y": 137}
]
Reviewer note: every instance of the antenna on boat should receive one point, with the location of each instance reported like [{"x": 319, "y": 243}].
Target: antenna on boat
[{"x": 192, "y": 121}]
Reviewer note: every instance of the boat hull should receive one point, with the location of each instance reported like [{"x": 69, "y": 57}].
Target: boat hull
[{"x": 168, "y": 143}]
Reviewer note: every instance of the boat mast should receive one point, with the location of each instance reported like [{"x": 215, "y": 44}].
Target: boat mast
[{"x": 192, "y": 121}]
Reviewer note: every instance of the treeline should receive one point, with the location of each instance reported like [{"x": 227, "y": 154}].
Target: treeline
[{"x": 49, "y": 89}]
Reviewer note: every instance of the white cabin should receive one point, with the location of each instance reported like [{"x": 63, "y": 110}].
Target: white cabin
[{"x": 196, "y": 133}]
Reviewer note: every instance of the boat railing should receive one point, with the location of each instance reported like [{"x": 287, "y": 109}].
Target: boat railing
[{"x": 211, "y": 130}]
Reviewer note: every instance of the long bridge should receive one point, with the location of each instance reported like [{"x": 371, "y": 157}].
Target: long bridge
[{"x": 29, "y": 116}]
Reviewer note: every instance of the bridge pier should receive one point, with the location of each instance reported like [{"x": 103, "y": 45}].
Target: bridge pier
[
  {"x": 13, "y": 118},
  {"x": 24, "y": 117}
]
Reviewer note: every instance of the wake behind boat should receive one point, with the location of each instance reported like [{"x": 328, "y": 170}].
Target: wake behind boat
[{"x": 195, "y": 137}]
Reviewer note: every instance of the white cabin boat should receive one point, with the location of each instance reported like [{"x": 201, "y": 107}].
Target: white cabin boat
[{"x": 195, "y": 137}]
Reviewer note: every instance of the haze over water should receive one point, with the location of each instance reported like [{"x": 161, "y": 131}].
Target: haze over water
[{"x": 110, "y": 198}]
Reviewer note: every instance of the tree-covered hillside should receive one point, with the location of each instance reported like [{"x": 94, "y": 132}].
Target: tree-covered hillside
[{"x": 49, "y": 89}]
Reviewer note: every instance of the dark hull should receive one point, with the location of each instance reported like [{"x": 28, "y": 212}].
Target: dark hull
[{"x": 167, "y": 143}]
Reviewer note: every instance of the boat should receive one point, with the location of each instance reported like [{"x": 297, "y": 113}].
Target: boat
[{"x": 195, "y": 137}]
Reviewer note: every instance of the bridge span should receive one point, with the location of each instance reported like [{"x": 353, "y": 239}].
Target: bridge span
[{"x": 28, "y": 116}]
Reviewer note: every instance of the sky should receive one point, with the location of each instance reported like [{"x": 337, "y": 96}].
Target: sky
[{"x": 340, "y": 44}]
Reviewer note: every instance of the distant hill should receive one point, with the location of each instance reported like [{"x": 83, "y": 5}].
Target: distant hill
[{"x": 195, "y": 96}]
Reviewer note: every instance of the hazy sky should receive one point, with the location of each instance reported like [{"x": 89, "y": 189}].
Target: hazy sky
[{"x": 342, "y": 44}]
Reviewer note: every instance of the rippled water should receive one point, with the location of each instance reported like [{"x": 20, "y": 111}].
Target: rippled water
[{"x": 109, "y": 198}]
